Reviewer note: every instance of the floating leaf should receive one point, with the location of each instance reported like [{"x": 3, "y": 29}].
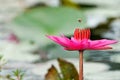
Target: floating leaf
[
  {"x": 52, "y": 74},
  {"x": 68, "y": 70},
  {"x": 33, "y": 24}
]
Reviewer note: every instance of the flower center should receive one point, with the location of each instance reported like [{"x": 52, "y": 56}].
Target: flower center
[{"x": 81, "y": 34}]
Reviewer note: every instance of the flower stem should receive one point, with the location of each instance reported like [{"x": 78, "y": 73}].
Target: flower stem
[{"x": 80, "y": 65}]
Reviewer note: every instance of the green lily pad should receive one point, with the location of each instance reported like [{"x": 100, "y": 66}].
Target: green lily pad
[{"x": 35, "y": 23}]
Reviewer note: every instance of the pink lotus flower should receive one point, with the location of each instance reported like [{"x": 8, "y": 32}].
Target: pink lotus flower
[{"x": 81, "y": 41}]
